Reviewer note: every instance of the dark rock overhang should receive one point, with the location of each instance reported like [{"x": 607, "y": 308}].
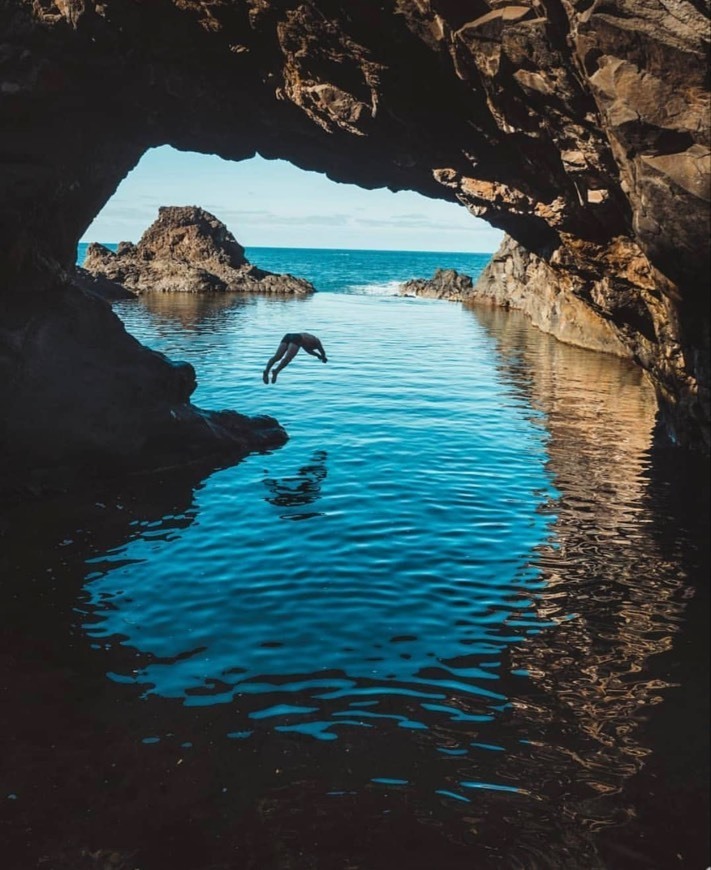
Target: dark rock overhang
[{"x": 581, "y": 129}]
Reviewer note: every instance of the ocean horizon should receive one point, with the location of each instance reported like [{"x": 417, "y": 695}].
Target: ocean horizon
[{"x": 82, "y": 246}]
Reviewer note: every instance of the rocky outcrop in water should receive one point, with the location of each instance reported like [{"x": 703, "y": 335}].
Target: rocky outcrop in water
[
  {"x": 581, "y": 129},
  {"x": 187, "y": 250},
  {"x": 516, "y": 279},
  {"x": 444, "y": 284}
]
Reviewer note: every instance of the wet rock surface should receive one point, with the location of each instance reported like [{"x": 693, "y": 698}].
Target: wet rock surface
[
  {"x": 187, "y": 250},
  {"x": 444, "y": 284},
  {"x": 516, "y": 279},
  {"x": 99, "y": 285}
]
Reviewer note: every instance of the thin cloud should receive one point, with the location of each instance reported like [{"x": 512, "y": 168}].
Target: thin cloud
[{"x": 238, "y": 217}]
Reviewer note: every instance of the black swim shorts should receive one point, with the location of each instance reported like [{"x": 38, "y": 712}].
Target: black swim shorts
[{"x": 292, "y": 338}]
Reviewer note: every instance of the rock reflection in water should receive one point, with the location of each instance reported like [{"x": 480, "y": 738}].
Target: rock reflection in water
[
  {"x": 47, "y": 544},
  {"x": 201, "y": 327},
  {"x": 194, "y": 310},
  {"x": 301, "y": 490},
  {"x": 616, "y": 588},
  {"x": 191, "y": 310}
]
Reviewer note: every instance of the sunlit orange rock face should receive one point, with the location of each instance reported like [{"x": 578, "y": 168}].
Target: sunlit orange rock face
[{"x": 579, "y": 128}]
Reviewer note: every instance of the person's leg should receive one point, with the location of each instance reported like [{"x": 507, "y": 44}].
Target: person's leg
[
  {"x": 280, "y": 351},
  {"x": 291, "y": 352}
]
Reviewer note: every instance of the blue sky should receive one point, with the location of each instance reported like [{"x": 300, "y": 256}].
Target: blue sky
[{"x": 270, "y": 203}]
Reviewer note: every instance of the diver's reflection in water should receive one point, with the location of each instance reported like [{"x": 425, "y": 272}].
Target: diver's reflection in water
[{"x": 302, "y": 489}]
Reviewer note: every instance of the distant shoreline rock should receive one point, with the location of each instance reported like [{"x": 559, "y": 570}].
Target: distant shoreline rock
[
  {"x": 187, "y": 250},
  {"x": 444, "y": 284},
  {"x": 518, "y": 280}
]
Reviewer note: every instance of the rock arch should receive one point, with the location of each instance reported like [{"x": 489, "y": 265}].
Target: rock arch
[{"x": 579, "y": 128}]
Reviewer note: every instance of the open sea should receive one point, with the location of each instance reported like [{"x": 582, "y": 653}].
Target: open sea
[{"x": 458, "y": 621}]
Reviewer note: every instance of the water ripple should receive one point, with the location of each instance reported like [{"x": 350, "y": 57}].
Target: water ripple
[
  {"x": 420, "y": 503},
  {"x": 455, "y": 574}
]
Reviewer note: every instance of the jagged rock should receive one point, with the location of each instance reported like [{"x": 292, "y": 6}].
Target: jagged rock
[
  {"x": 581, "y": 129},
  {"x": 187, "y": 250},
  {"x": 444, "y": 284},
  {"x": 517, "y": 279}
]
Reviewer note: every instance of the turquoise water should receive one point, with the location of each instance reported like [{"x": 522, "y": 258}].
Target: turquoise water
[
  {"x": 459, "y": 620},
  {"x": 371, "y": 571}
]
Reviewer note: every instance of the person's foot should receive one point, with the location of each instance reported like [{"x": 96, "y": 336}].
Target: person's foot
[
  {"x": 323, "y": 359},
  {"x": 265, "y": 377},
  {"x": 274, "y": 374}
]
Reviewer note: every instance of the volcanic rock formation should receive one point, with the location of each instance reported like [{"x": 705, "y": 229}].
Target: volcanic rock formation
[
  {"x": 517, "y": 279},
  {"x": 580, "y": 128},
  {"x": 444, "y": 284},
  {"x": 187, "y": 250}
]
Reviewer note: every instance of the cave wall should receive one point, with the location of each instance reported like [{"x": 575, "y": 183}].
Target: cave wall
[{"x": 579, "y": 128}]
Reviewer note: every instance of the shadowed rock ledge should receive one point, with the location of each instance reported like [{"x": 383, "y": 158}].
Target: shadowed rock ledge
[
  {"x": 187, "y": 250},
  {"x": 580, "y": 129},
  {"x": 80, "y": 394}
]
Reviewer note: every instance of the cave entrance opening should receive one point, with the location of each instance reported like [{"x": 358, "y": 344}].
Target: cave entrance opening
[{"x": 272, "y": 203}]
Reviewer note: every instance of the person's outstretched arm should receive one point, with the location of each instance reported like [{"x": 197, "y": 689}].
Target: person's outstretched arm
[{"x": 317, "y": 352}]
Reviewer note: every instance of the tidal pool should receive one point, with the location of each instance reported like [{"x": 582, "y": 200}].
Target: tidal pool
[
  {"x": 450, "y": 624},
  {"x": 377, "y": 566}
]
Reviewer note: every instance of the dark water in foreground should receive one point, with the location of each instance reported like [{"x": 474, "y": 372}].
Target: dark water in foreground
[{"x": 458, "y": 621}]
